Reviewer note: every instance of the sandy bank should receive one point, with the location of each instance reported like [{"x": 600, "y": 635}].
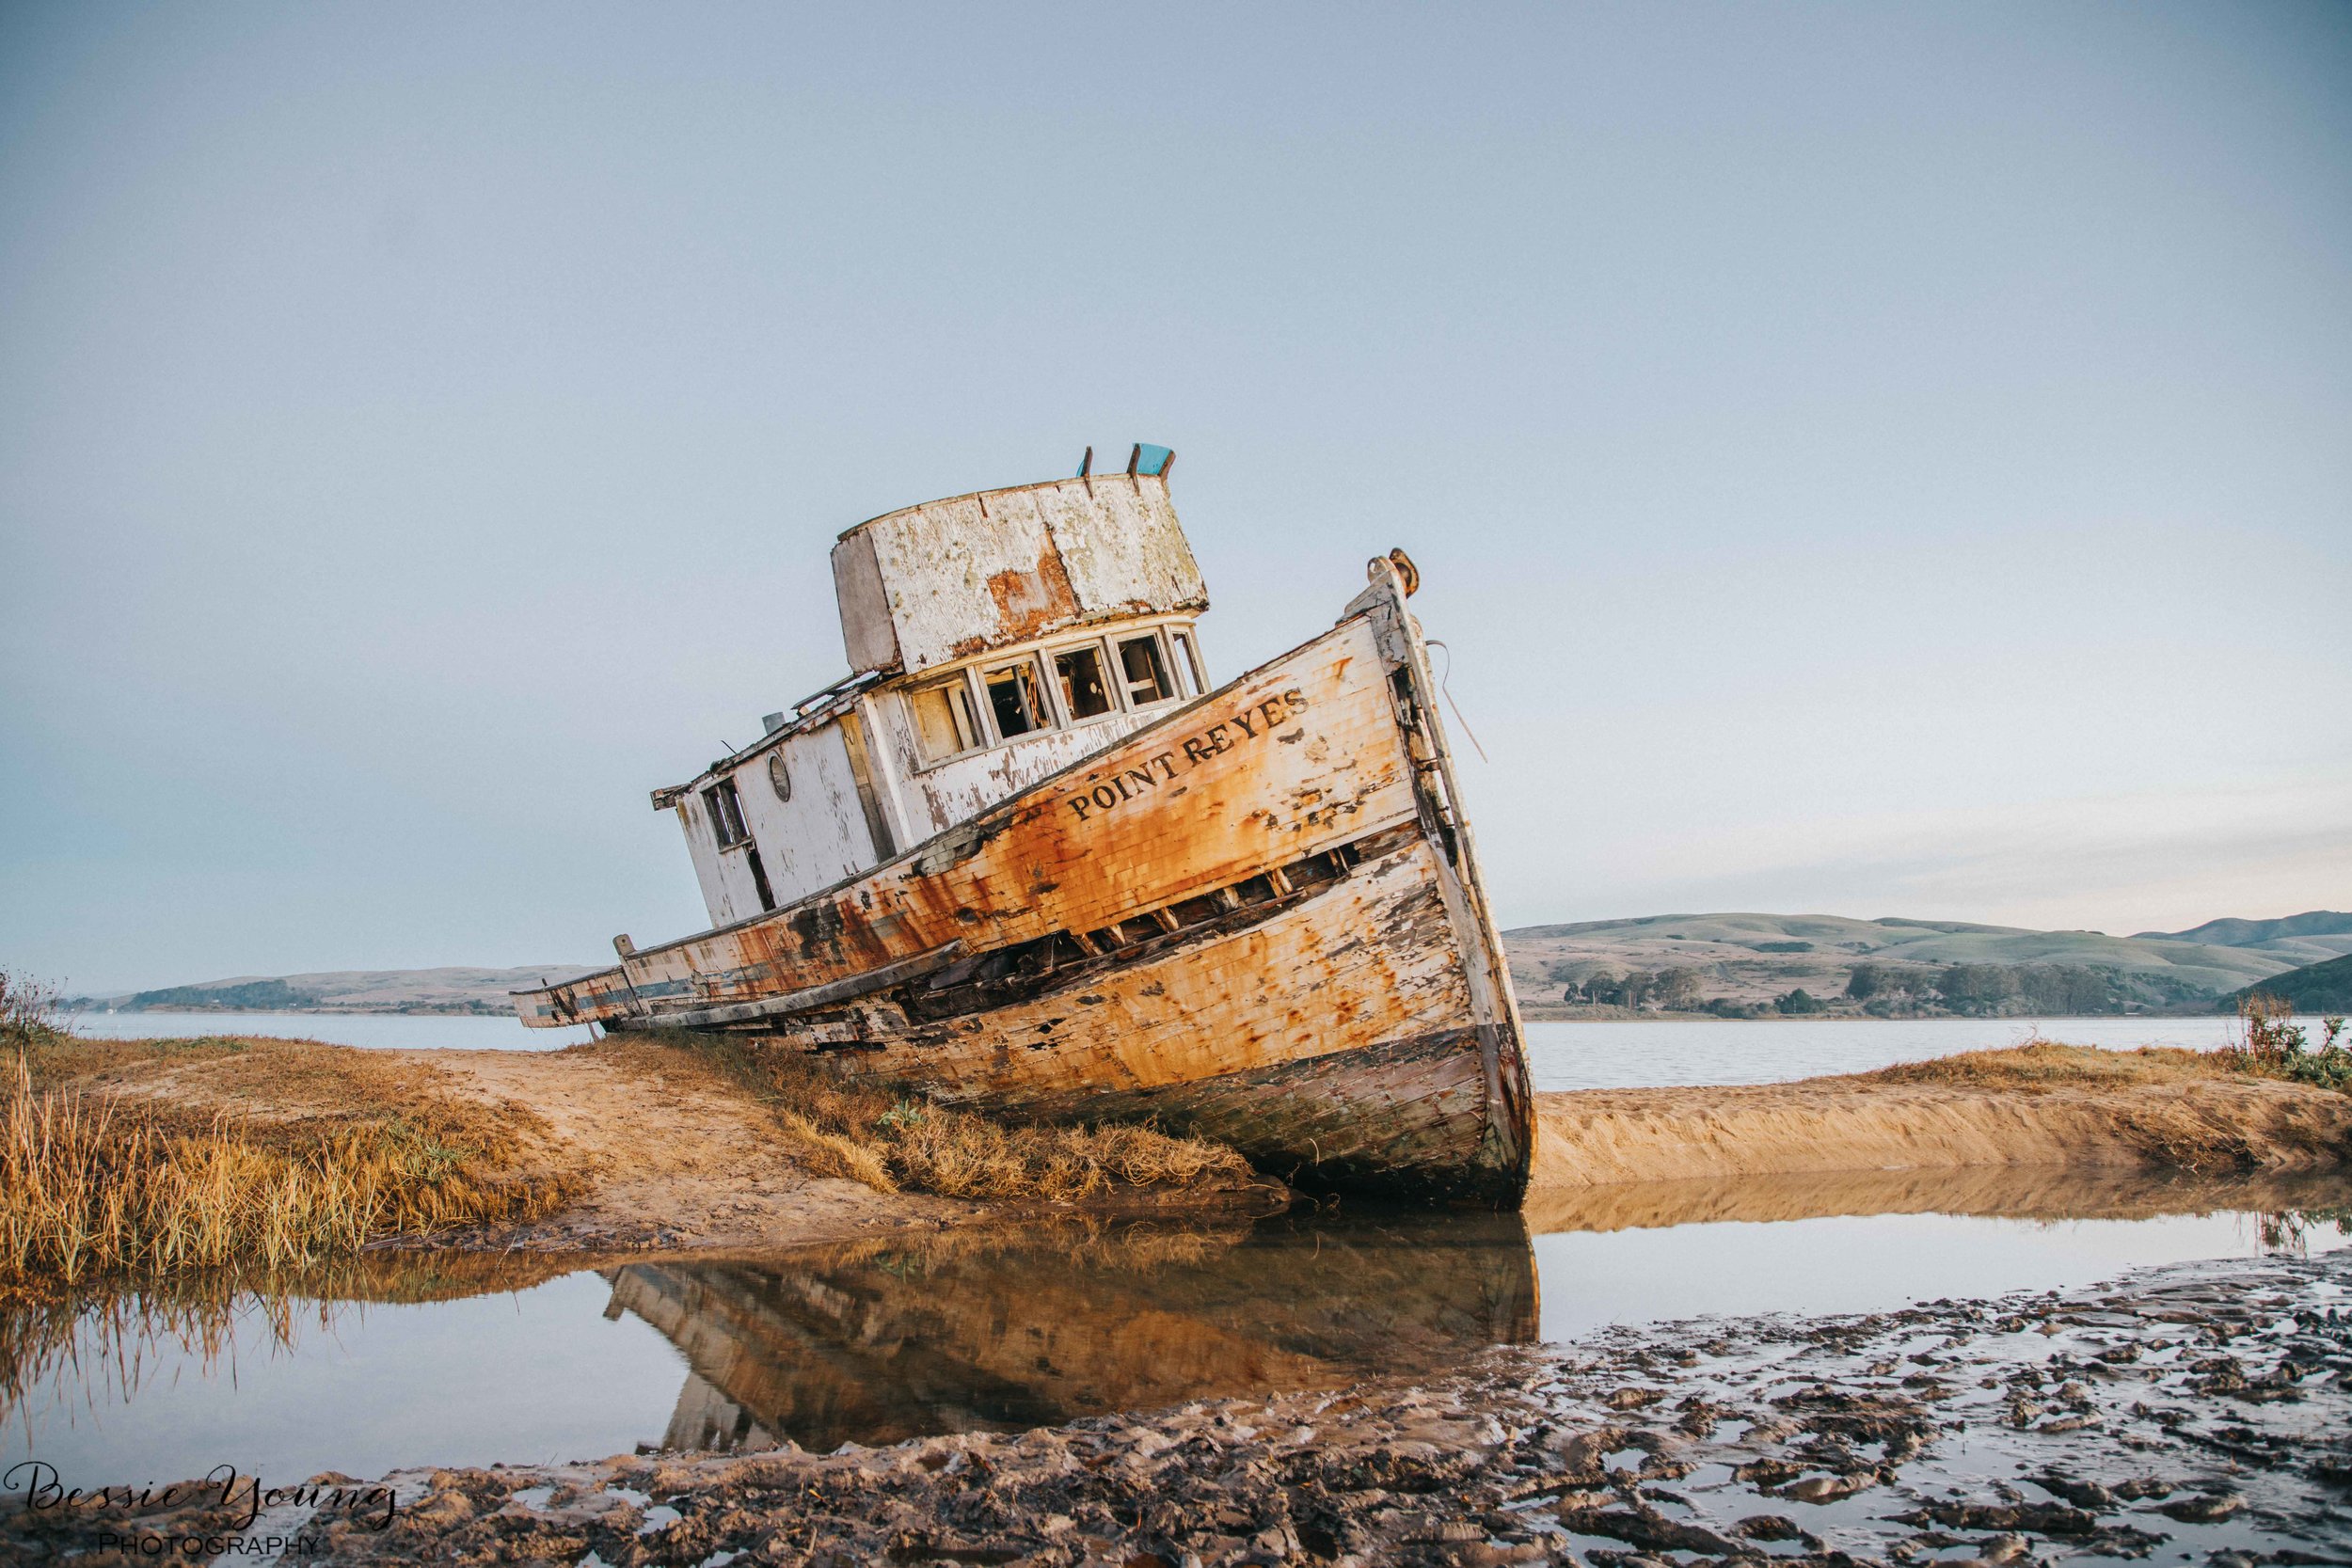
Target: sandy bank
[
  {"x": 1606, "y": 1136},
  {"x": 679, "y": 1157},
  {"x": 672, "y": 1156}
]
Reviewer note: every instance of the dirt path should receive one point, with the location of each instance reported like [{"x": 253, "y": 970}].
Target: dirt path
[
  {"x": 1604, "y": 1136},
  {"x": 675, "y": 1156}
]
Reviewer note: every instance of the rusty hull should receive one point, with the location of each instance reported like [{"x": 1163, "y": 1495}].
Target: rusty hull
[{"x": 1259, "y": 918}]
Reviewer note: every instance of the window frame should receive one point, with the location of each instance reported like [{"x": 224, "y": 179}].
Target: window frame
[
  {"x": 977, "y": 709},
  {"x": 1104, "y": 663},
  {"x": 1179, "y": 653},
  {"x": 721, "y": 816},
  {"x": 1048, "y": 707},
  {"x": 1185, "y": 645},
  {"x": 1157, "y": 637}
]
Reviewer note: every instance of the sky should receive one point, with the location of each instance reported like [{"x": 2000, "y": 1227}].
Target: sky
[{"x": 1862, "y": 459}]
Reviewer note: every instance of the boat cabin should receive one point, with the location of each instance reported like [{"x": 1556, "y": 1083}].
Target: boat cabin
[{"x": 993, "y": 639}]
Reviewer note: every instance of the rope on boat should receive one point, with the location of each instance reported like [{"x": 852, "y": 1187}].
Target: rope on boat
[{"x": 1433, "y": 643}]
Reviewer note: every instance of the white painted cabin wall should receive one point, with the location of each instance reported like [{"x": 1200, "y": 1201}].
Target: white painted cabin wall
[
  {"x": 818, "y": 837},
  {"x": 702, "y": 846},
  {"x": 810, "y": 841}
]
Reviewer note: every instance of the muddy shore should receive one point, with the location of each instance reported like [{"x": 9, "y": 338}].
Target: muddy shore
[{"x": 2196, "y": 1413}]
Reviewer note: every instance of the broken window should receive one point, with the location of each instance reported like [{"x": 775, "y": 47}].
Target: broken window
[
  {"x": 726, "y": 813},
  {"x": 1084, "y": 692},
  {"x": 1188, "y": 664},
  {"x": 1146, "y": 669},
  {"x": 944, "y": 722},
  {"x": 1013, "y": 697},
  {"x": 760, "y": 879}
]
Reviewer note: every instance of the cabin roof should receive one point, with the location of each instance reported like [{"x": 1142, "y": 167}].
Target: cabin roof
[
  {"x": 946, "y": 580},
  {"x": 812, "y": 712},
  {"x": 941, "y": 583}
]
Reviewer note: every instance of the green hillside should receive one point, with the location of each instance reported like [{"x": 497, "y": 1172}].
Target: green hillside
[
  {"x": 347, "y": 990},
  {"x": 2320, "y": 988},
  {"x": 1753, "y": 958},
  {"x": 2298, "y": 939}
]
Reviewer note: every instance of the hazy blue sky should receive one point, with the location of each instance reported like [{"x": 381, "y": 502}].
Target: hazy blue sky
[{"x": 1878, "y": 459}]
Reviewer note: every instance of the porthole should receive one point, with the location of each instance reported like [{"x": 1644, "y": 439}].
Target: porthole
[{"x": 779, "y": 778}]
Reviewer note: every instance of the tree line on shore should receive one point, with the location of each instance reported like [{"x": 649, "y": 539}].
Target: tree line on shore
[{"x": 1890, "y": 991}]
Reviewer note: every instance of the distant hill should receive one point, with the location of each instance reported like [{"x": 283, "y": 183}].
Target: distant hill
[
  {"x": 1750, "y": 959},
  {"x": 342, "y": 990},
  {"x": 2299, "y": 939},
  {"x": 2320, "y": 988}
]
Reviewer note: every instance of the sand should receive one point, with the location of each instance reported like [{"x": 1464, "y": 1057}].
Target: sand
[{"x": 1604, "y": 1138}]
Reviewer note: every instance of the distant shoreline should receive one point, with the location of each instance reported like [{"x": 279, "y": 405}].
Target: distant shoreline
[
  {"x": 425, "y": 1009},
  {"x": 1554, "y": 1012}
]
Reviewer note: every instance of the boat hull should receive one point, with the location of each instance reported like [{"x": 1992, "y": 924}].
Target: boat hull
[{"x": 1259, "y": 919}]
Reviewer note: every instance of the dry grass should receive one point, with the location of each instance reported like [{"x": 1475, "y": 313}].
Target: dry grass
[
  {"x": 2039, "y": 1066},
  {"x": 2267, "y": 1047},
  {"x": 147, "y": 1157},
  {"x": 893, "y": 1143}
]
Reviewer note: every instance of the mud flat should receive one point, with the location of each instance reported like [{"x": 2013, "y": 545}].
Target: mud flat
[
  {"x": 2195, "y": 1414},
  {"x": 1892, "y": 1121}
]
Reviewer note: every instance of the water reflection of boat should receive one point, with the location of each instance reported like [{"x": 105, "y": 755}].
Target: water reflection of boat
[
  {"x": 1024, "y": 857},
  {"x": 879, "y": 1341}
]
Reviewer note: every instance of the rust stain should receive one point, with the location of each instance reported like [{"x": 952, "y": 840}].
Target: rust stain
[{"x": 1030, "y": 603}]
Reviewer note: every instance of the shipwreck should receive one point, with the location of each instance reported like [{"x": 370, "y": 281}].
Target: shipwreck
[{"x": 1027, "y": 858}]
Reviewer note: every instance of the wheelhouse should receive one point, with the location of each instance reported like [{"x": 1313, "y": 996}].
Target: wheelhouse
[{"x": 993, "y": 639}]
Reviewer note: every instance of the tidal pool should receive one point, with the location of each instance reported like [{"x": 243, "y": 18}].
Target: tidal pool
[{"x": 397, "y": 1361}]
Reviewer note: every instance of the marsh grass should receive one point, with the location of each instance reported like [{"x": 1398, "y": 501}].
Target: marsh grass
[
  {"x": 895, "y": 1142},
  {"x": 2267, "y": 1046},
  {"x": 2039, "y": 1066},
  {"x": 153, "y": 1157},
  {"x": 28, "y": 1009}
]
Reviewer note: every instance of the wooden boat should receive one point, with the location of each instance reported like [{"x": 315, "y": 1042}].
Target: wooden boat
[{"x": 1023, "y": 860}]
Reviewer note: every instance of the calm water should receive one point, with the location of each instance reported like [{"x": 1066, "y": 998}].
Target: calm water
[
  {"x": 528, "y": 1361},
  {"x": 1602, "y": 1055},
  {"x": 1561, "y": 1055}
]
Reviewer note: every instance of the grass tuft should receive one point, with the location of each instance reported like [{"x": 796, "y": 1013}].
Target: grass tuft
[
  {"x": 112, "y": 1165},
  {"x": 875, "y": 1134},
  {"x": 2267, "y": 1047},
  {"x": 2040, "y": 1065}
]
